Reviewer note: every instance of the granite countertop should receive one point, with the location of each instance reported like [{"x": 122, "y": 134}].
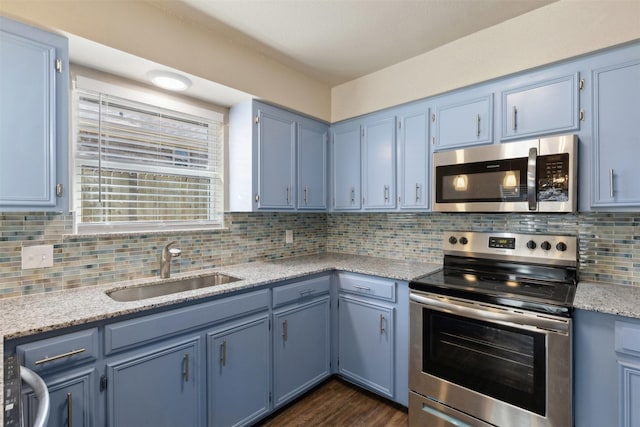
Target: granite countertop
[{"x": 23, "y": 316}]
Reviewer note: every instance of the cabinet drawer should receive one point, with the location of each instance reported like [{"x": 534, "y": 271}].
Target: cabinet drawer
[
  {"x": 132, "y": 333},
  {"x": 301, "y": 290},
  {"x": 65, "y": 351},
  {"x": 374, "y": 287},
  {"x": 628, "y": 338}
]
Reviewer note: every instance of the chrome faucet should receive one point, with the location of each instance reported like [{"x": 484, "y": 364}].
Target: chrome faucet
[{"x": 165, "y": 259}]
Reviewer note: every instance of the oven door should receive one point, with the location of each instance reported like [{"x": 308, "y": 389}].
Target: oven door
[{"x": 503, "y": 366}]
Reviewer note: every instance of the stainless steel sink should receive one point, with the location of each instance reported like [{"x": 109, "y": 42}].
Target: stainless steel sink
[{"x": 136, "y": 293}]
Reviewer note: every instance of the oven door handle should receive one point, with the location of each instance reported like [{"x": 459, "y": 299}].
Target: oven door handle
[{"x": 487, "y": 313}]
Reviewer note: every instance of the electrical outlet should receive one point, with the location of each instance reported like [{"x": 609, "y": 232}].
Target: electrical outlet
[
  {"x": 288, "y": 236},
  {"x": 37, "y": 256}
]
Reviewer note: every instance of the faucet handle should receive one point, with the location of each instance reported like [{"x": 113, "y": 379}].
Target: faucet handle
[{"x": 174, "y": 252}]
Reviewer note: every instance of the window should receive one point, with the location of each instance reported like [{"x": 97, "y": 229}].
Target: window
[{"x": 142, "y": 167}]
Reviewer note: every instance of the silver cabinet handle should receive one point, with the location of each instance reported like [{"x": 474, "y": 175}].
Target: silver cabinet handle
[
  {"x": 362, "y": 288},
  {"x": 69, "y": 410},
  {"x": 611, "y": 183},
  {"x": 418, "y": 191},
  {"x": 186, "y": 367},
  {"x": 381, "y": 324},
  {"x": 353, "y": 195},
  {"x": 514, "y": 118},
  {"x": 285, "y": 330},
  {"x": 386, "y": 193},
  {"x": 60, "y": 356},
  {"x": 307, "y": 292},
  {"x": 306, "y": 193},
  {"x": 223, "y": 353},
  {"x": 478, "y": 125}
]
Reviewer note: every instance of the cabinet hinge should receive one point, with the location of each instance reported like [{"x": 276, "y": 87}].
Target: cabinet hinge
[
  {"x": 59, "y": 65},
  {"x": 581, "y": 115},
  {"x": 103, "y": 383},
  {"x": 269, "y": 397},
  {"x": 581, "y": 84},
  {"x": 257, "y": 119},
  {"x": 269, "y": 324},
  {"x": 399, "y": 124},
  {"x": 362, "y": 132},
  {"x": 433, "y": 117},
  {"x": 59, "y": 190}
]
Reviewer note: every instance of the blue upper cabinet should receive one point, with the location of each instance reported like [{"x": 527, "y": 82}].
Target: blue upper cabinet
[
  {"x": 616, "y": 141},
  {"x": 463, "y": 120},
  {"x": 379, "y": 163},
  {"x": 275, "y": 158},
  {"x": 276, "y": 167},
  {"x": 312, "y": 165},
  {"x": 34, "y": 104},
  {"x": 346, "y": 166},
  {"x": 545, "y": 106},
  {"x": 413, "y": 158}
]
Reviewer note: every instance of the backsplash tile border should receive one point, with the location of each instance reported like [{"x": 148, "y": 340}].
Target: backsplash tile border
[{"x": 609, "y": 243}]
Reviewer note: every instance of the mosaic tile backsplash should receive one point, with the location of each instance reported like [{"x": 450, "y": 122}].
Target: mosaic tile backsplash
[{"x": 609, "y": 244}]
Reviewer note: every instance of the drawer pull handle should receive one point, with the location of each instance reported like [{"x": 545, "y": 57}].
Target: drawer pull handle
[
  {"x": 307, "y": 292},
  {"x": 69, "y": 410},
  {"x": 362, "y": 288},
  {"x": 60, "y": 356}
]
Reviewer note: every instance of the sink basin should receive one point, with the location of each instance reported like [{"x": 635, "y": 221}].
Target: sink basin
[{"x": 136, "y": 293}]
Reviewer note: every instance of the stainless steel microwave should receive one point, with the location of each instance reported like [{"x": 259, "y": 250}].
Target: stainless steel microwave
[{"x": 527, "y": 176}]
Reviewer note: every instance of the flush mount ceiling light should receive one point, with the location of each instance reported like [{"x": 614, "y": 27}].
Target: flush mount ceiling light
[{"x": 169, "y": 80}]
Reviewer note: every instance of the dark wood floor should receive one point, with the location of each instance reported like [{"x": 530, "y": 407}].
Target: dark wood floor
[{"x": 340, "y": 404}]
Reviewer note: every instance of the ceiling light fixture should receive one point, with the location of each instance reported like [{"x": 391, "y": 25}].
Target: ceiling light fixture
[{"x": 169, "y": 80}]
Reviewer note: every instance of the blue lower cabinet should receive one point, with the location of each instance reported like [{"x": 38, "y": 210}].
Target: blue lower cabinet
[
  {"x": 238, "y": 372},
  {"x": 157, "y": 387},
  {"x": 366, "y": 344},
  {"x": 71, "y": 398},
  {"x": 301, "y": 348}
]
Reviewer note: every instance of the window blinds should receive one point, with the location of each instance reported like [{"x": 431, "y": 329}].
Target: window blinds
[{"x": 138, "y": 166}]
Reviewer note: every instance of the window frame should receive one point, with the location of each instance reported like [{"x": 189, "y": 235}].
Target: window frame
[{"x": 154, "y": 100}]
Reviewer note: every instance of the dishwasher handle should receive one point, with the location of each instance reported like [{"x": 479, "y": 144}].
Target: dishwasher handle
[{"x": 42, "y": 393}]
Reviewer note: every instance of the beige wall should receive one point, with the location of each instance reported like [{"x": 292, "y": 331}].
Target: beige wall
[
  {"x": 141, "y": 29},
  {"x": 558, "y": 31}
]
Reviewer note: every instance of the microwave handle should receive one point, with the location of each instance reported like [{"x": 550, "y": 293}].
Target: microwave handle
[{"x": 531, "y": 179}]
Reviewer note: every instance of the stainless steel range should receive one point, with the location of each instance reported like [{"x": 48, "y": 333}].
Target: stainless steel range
[{"x": 490, "y": 333}]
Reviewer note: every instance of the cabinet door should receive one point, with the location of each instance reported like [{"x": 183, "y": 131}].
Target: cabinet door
[
  {"x": 366, "y": 340},
  {"x": 544, "y": 107},
  {"x": 238, "y": 371},
  {"x": 71, "y": 399},
  {"x": 413, "y": 153},
  {"x": 379, "y": 164},
  {"x": 301, "y": 348},
  {"x": 463, "y": 123},
  {"x": 312, "y": 166},
  {"x": 616, "y": 137},
  {"x": 346, "y": 167},
  {"x": 156, "y": 388},
  {"x": 276, "y": 148},
  {"x": 33, "y": 118},
  {"x": 629, "y": 393}
]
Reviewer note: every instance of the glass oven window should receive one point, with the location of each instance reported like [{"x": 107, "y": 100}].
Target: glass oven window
[
  {"x": 499, "y": 181},
  {"x": 505, "y": 363}
]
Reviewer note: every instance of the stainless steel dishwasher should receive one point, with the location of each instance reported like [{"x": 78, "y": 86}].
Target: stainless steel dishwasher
[{"x": 14, "y": 376}]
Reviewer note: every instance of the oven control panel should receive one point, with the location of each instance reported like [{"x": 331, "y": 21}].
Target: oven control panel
[{"x": 544, "y": 248}]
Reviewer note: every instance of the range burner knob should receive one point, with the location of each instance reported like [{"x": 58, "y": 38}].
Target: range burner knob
[
  {"x": 545, "y": 245},
  {"x": 531, "y": 244},
  {"x": 453, "y": 240},
  {"x": 464, "y": 241},
  {"x": 561, "y": 246}
]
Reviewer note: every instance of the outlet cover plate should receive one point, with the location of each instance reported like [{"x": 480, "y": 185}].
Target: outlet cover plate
[{"x": 37, "y": 256}]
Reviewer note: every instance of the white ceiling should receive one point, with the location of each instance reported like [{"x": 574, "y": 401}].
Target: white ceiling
[{"x": 333, "y": 41}]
